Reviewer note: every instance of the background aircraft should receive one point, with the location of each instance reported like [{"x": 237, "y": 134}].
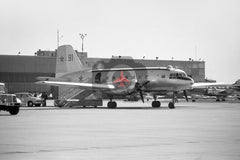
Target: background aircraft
[
  {"x": 73, "y": 78},
  {"x": 218, "y": 90}
]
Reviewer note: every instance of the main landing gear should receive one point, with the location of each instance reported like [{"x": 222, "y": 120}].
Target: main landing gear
[
  {"x": 112, "y": 104},
  {"x": 157, "y": 104}
]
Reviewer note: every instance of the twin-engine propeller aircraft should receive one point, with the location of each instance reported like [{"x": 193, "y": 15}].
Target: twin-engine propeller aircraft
[{"x": 117, "y": 81}]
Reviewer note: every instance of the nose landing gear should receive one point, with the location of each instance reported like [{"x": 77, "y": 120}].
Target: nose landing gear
[{"x": 171, "y": 105}]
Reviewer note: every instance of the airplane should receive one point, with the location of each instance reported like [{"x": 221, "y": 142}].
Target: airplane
[
  {"x": 219, "y": 90},
  {"x": 117, "y": 81}
]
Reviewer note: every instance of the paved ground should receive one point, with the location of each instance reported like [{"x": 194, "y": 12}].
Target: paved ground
[{"x": 136, "y": 131}]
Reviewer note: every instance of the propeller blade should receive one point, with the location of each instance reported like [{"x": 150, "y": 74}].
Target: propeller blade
[
  {"x": 141, "y": 94},
  {"x": 145, "y": 83},
  {"x": 185, "y": 94}
]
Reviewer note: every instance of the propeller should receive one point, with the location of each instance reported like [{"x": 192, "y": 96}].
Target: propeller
[
  {"x": 141, "y": 95},
  {"x": 138, "y": 88},
  {"x": 185, "y": 94}
]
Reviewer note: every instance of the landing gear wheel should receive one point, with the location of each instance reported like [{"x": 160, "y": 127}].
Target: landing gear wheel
[
  {"x": 30, "y": 103},
  {"x": 14, "y": 110},
  {"x": 171, "y": 105},
  {"x": 156, "y": 104},
  {"x": 112, "y": 104}
]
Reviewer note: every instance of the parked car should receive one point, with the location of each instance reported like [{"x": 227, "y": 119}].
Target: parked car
[
  {"x": 28, "y": 99},
  {"x": 9, "y": 103}
]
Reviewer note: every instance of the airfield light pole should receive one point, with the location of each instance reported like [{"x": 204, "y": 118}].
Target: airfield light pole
[
  {"x": 58, "y": 38},
  {"x": 82, "y": 36}
]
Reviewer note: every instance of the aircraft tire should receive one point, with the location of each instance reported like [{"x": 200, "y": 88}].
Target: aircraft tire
[
  {"x": 112, "y": 104},
  {"x": 156, "y": 104},
  {"x": 171, "y": 105}
]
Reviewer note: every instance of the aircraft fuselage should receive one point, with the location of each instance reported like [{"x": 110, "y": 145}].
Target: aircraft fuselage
[{"x": 155, "y": 79}]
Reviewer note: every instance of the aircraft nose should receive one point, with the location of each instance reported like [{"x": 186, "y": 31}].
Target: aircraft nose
[{"x": 192, "y": 81}]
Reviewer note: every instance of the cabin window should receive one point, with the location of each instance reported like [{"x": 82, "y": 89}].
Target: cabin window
[
  {"x": 163, "y": 76},
  {"x": 98, "y": 78}
]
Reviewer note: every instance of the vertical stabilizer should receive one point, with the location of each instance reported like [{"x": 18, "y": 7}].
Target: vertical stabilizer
[
  {"x": 236, "y": 85},
  {"x": 67, "y": 61}
]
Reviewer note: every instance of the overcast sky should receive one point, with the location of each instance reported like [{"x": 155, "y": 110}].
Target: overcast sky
[{"x": 206, "y": 29}]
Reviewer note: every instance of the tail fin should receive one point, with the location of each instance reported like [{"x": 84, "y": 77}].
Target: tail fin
[
  {"x": 67, "y": 61},
  {"x": 237, "y": 83}
]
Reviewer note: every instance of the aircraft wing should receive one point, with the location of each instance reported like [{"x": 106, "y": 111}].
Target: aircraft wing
[
  {"x": 207, "y": 84},
  {"x": 77, "y": 84}
]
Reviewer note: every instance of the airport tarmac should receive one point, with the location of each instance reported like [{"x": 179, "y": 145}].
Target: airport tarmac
[{"x": 133, "y": 131}]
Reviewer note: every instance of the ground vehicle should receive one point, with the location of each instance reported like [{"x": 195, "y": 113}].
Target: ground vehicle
[
  {"x": 28, "y": 99},
  {"x": 9, "y": 102},
  {"x": 2, "y": 88}
]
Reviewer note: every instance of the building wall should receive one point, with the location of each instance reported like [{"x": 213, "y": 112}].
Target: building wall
[{"x": 19, "y": 72}]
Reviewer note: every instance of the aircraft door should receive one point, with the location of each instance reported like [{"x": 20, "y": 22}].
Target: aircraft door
[{"x": 98, "y": 78}]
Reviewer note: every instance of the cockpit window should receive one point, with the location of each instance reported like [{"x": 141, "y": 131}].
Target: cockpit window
[
  {"x": 177, "y": 75},
  {"x": 98, "y": 78}
]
